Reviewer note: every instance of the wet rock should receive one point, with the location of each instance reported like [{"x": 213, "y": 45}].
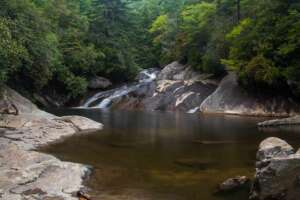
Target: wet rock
[
  {"x": 234, "y": 184},
  {"x": 277, "y": 172},
  {"x": 99, "y": 83},
  {"x": 281, "y": 122},
  {"x": 230, "y": 98}
]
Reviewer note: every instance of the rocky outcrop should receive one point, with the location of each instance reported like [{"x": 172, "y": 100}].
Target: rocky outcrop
[
  {"x": 26, "y": 174},
  {"x": 281, "y": 122},
  {"x": 18, "y": 104},
  {"x": 277, "y": 171},
  {"x": 99, "y": 83},
  {"x": 230, "y": 98},
  {"x": 177, "y": 88},
  {"x": 184, "y": 96}
]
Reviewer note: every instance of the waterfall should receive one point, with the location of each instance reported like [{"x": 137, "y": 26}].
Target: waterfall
[
  {"x": 194, "y": 110},
  {"x": 106, "y": 98}
]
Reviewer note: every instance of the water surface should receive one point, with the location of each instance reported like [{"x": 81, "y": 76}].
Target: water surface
[{"x": 165, "y": 156}]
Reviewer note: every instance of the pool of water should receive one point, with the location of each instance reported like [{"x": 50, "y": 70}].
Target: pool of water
[{"x": 165, "y": 156}]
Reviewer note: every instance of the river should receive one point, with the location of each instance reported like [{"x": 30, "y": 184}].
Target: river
[{"x": 165, "y": 156}]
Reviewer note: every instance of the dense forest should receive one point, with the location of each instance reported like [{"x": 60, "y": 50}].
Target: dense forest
[{"x": 58, "y": 45}]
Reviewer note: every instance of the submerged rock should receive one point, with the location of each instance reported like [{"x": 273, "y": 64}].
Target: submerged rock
[
  {"x": 207, "y": 142},
  {"x": 195, "y": 163},
  {"x": 230, "y": 98},
  {"x": 277, "y": 171},
  {"x": 281, "y": 122},
  {"x": 234, "y": 184}
]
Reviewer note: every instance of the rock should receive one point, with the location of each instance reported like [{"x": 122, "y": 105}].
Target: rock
[
  {"x": 281, "y": 122},
  {"x": 178, "y": 72},
  {"x": 8, "y": 108},
  {"x": 26, "y": 174},
  {"x": 176, "y": 88},
  {"x": 99, "y": 83},
  {"x": 230, "y": 98},
  {"x": 170, "y": 71},
  {"x": 274, "y": 147},
  {"x": 234, "y": 184},
  {"x": 277, "y": 172},
  {"x": 82, "y": 123},
  {"x": 20, "y": 104},
  {"x": 182, "y": 96},
  {"x": 83, "y": 195}
]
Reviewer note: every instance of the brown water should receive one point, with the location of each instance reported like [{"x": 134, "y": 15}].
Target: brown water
[{"x": 159, "y": 156}]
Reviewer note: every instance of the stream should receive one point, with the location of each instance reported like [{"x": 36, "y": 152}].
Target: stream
[{"x": 165, "y": 156}]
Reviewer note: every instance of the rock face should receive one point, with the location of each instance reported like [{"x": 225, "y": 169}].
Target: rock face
[
  {"x": 185, "y": 95},
  {"x": 99, "y": 83},
  {"x": 26, "y": 174},
  {"x": 230, "y": 98},
  {"x": 281, "y": 122},
  {"x": 277, "y": 171},
  {"x": 177, "y": 88}
]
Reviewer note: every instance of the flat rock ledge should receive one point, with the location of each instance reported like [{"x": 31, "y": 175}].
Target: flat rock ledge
[
  {"x": 26, "y": 174},
  {"x": 281, "y": 122},
  {"x": 29, "y": 175},
  {"x": 277, "y": 171}
]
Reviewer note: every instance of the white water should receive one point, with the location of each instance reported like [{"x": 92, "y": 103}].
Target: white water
[
  {"x": 194, "y": 110},
  {"x": 109, "y": 96}
]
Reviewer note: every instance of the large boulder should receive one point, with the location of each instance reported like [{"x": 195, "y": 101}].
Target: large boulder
[
  {"x": 99, "y": 83},
  {"x": 179, "y": 72},
  {"x": 14, "y": 103},
  {"x": 230, "y": 98},
  {"x": 173, "y": 95},
  {"x": 171, "y": 70},
  {"x": 273, "y": 147},
  {"x": 277, "y": 172}
]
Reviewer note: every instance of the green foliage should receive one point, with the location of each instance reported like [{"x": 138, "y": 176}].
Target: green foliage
[
  {"x": 11, "y": 52},
  {"x": 60, "y": 44},
  {"x": 265, "y": 45}
]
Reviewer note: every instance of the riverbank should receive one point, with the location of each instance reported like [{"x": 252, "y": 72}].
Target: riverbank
[{"x": 27, "y": 174}]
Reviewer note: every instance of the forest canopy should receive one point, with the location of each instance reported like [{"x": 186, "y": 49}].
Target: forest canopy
[{"x": 58, "y": 45}]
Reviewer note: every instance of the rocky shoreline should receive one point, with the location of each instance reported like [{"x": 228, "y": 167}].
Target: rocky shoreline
[
  {"x": 281, "y": 122},
  {"x": 27, "y": 174},
  {"x": 180, "y": 88}
]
